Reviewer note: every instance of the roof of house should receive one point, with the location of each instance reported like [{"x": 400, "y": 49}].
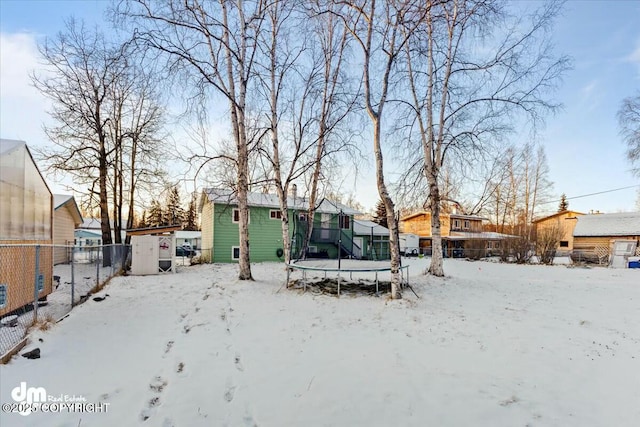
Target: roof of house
[
  {"x": 187, "y": 234},
  {"x": 486, "y": 235},
  {"x": 453, "y": 215},
  {"x": 9, "y": 145},
  {"x": 571, "y": 213},
  {"x": 367, "y": 228},
  {"x": 62, "y": 200},
  {"x": 615, "y": 224},
  {"x": 227, "y": 197}
]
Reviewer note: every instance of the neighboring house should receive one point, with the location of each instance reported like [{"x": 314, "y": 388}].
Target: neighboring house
[
  {"x": 94, "y": 225},
  {"x": 565, "y": 222},
  {"x": 371, "y": 240},
  {"x": 459, "y": 232},
  {"x": 193, "y": 238},
  {"x": 332, "y": 227},
  {"x": 26, "y": 229},
  {"x": 595, "y": 234},
  {"x": 66, "y": 217},
  {"x": 86, "y": 237}
]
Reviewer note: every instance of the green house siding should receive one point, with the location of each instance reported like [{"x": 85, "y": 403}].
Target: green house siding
[{"x": 265, "y": 234}]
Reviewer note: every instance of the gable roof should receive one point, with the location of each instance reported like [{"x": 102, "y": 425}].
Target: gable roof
[
  {"x": 572, "y": 214},
  {"x": 64, "y": 200},
  {"x": 367, "y": 228},
  {"x": 227, "y": 197},
  {"x": 615, "y": 224},
  {"x": 8, "y": 146}
]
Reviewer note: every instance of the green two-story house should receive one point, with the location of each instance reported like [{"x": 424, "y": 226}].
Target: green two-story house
[{"x": 332, "y": 228}]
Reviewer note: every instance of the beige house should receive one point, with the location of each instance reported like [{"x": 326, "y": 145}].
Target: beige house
[
  {"x": 459, "y": 232},
  {"x": 66, "y": 218},
  {"x": 566, "y": 222}
]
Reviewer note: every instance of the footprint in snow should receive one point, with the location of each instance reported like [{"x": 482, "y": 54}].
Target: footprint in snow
[
  {"x": 238, "y": 363},
  {"x": 229, "y": 391}
]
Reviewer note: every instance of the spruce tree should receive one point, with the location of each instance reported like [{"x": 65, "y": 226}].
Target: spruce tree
[
  {"x": 564, "y": 204},
  {"x": 380, "y": 216}
]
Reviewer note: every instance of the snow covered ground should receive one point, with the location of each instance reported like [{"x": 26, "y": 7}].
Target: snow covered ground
[{"x": 489, "y": 345}]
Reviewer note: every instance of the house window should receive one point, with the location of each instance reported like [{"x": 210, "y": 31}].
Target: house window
[
  {"x": 456, "y": 223},
  {"x": 489, "y": 245},
  {"x": 344, "y": 222},
  {"x": 236, "y": 216},
  {"x": 275, "y": 214},
  {"x": 235, "y": 253},
  {"x": 302, "y": 217},
  {"x": 467, "y": 225},
  {"x": 3, "y": 296},
  {"x": 496, "y": 245},
  {"x": 564, "y": 243}
]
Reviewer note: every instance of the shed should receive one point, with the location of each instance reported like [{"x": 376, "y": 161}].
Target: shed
[
  {"x": 26, "y": 229},
  {"x": 66, "y": 217},
  {"x": 153, "y": 250}
]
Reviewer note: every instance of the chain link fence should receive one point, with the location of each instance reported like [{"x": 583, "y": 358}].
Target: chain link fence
[{"x": 34, "y": 292}]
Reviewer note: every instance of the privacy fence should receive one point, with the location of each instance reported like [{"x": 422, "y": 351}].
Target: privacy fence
[{"x": 40, "y": 284}]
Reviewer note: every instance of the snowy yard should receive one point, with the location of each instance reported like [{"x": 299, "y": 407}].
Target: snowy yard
[{"x": 490, "y": 345}]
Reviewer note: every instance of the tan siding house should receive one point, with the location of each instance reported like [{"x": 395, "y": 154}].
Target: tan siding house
[
  {"x": 206, "y": 227},
  {"x": 598, "y": 232},
  {"x": 565, "y": 221},
  {"x": 457, "y": 231},
  {"x": 66, "y": 218}
]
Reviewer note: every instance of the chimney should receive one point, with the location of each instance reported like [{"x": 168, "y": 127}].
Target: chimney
[{"x": 293, "y": 193}]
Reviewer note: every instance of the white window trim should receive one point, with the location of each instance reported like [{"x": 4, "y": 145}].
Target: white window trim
[
  {"x": 233, "y": 249},
  {"x": 278, "y": 212},
  {"x": 456, "y": 223},
  {"x": 466, "y": 224},
  {"x": 312, "y": 249},
  {"x": 233, "y": 216},
  {"x": 6, "y": 295}
]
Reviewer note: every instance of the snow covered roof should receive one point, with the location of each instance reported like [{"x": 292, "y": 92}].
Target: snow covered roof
[
  {"x": 362, "y": 227},
  {"x": 91, "y": 224},
  {"x": 487, "y": 235},
  {"x": 271, "y": 200},
  {"x": 186, "y": 234},
  {"x": 615, "y": 224}
]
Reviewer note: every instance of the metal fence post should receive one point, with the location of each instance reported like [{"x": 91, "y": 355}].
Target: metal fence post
[
  {"x": 98, "y": 261},
  {"x": 73, "y": 278}
]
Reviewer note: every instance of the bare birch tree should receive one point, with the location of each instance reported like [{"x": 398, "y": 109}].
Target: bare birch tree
[
  {"x": 376, "y": 27},
  {"x": 468, "y": 79},
  {"x": 213, "y": 44},
  {"x": 629, "y": 122}
]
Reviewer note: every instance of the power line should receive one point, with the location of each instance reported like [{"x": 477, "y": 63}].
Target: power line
[{"x": 592, "y": 194}]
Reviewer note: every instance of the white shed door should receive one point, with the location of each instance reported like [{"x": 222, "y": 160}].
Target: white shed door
[{"x": 145, "y": 255}]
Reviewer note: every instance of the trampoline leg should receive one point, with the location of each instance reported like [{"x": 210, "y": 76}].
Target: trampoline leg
[{"x": 377, "y": 283}]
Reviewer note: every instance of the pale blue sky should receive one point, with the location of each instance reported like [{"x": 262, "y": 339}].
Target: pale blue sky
[{"x": 584, "y": 149}]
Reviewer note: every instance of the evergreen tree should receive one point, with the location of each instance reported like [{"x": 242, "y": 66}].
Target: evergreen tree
[
  {"x": 191, "y": 216},
  {"x": 564, "y": 204},
  {"x": 380, "y": 216},
  {"x": 156, "y": 215},
  {"x": 142, "y": 223},
  {"x": 175, "y": 213}
]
